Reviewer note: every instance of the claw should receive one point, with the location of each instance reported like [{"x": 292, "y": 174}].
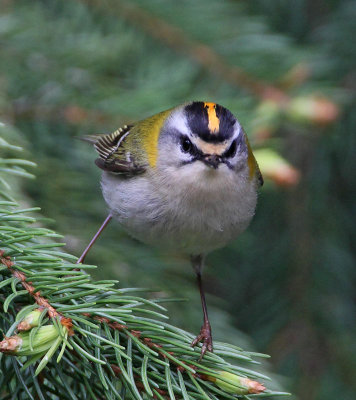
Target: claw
[{"x": 204, "y": 337}]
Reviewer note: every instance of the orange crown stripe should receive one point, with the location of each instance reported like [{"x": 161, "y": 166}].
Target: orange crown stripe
[{"x": 213, "y": 120}]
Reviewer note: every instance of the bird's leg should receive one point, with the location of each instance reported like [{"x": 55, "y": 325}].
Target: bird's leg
[
  {"x": 86, "y": 251},
  {"x": 205, "y": 331}
]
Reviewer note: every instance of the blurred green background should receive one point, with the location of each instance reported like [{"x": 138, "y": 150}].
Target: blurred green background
[{"x": 287, "y": 71}]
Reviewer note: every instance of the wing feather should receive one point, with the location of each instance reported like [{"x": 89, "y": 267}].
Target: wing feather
[{"x": 112, "y": 156}]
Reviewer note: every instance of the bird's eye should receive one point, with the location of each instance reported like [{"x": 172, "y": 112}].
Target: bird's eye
[
  {"x": 231, "y": 151},
  {"x": 186, "y": 145}
]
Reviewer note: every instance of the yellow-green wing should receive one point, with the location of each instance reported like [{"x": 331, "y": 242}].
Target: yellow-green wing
[
  {"x": 252, "y": 164},
  {"x": 113, "y": 156}
]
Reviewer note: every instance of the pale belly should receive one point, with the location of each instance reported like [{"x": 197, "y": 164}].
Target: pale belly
[{"x": 189, "y": 219}]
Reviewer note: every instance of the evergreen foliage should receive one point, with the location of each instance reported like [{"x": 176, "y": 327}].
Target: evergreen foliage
[
  {"x": 69, "y": 337},
  {"x": 286, "y": 70}
]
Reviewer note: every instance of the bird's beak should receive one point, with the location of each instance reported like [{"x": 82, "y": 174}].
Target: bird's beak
[{"x": 212, "y": 160}]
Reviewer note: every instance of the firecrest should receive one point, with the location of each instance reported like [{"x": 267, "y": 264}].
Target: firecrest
[{"x": 184, "y": 180}]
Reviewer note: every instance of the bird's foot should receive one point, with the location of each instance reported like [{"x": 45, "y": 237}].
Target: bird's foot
[{"x": 204, "y": 337}]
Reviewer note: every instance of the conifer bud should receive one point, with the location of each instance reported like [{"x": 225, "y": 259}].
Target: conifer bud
[
  {"x": 10, "y": 344},
  {"x": 31, "y": 320},
  {"x": 235, "y": 384},
  {"x": 315, "y": 109},
  {"x": 20, "y": 344},
  {"x": 276, "y": 168}
]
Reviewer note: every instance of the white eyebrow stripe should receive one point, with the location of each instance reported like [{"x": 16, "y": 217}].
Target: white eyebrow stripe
[
  {"x": 178, "y": 120},
  {"x": 237, "y": 130}
]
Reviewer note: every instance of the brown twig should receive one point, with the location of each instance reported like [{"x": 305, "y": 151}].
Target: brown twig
[
  {"x": 144, "y": 340},
  {"x": 254, "y": 386},
  {"x": 147, "y": 341},
  {"x": 41, "y": 301}
]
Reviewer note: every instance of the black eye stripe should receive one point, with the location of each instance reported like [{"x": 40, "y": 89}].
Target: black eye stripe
[
  {"x": 188, "y": 147},
  {"x": 186, "y": 144},
  {"x": 231, "y": 151}
]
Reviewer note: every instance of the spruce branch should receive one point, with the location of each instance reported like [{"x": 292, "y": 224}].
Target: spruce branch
[
  {"x": 66, "y": 336},
  {"x": 41, "y": 301}
]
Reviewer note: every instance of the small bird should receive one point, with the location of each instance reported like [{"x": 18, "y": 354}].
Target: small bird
[{"x": 184, "y": 180}]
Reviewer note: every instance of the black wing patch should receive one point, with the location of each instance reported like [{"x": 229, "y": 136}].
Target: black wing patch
[
  {"x": 112, "y": 157},
  {"x": 107, "y": 145}
]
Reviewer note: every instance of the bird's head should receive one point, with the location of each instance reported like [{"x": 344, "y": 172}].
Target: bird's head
[{"x": 204, "y": 138}]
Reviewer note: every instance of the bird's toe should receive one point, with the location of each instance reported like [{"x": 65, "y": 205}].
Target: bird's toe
[{"x": 205, "y": 338}]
